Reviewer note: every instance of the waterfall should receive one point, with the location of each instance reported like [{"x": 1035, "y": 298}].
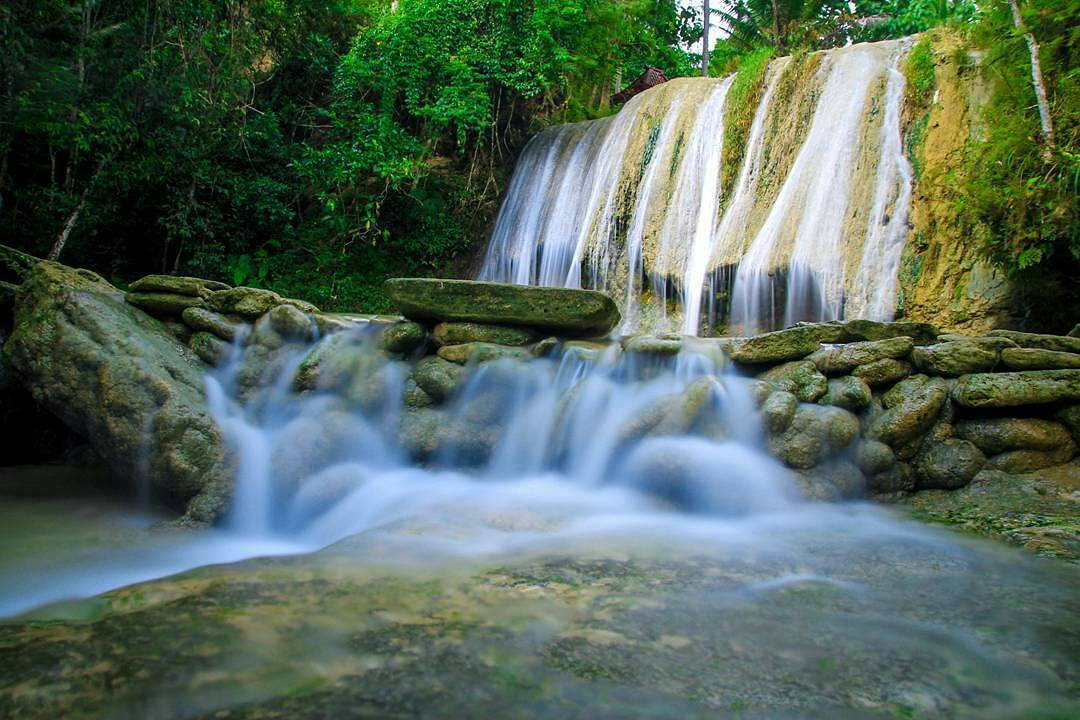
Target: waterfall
[{"x": 811, "y": 229}]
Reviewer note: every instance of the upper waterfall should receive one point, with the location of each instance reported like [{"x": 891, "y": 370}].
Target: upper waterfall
[{"x": 810, "y": 228}]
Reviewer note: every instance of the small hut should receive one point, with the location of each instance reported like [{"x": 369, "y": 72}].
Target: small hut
[{"x": 652, "y": 77}]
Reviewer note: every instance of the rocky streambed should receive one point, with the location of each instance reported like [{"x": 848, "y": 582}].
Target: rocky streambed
[{"x": 520, "y": 515}]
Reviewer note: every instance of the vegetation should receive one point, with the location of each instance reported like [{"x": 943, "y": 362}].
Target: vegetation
[{"x": 312, "y": 147}]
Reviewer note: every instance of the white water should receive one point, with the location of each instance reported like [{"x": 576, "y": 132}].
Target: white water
[{"x": 813, "y": 250}]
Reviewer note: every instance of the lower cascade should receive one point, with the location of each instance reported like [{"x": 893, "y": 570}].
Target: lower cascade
[
  {"x": 492, "y": 499},
  {"x": 645, "y": 204}
]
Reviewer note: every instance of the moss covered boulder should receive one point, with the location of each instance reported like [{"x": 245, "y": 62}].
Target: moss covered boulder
[
  {"x": 480, "y": 352},
  {"x": 1013, "y": 389},
  {"x": 921, "y": 333},
  {"x": 403, "y": 338},
  {"x": 200, "y": 319},
  {"x": 177, "y": 285},
  {"x": 883, "y": 372},
  {"x": 848, "y": 392},
  {"x": 800, "y": 378},
  {"x": 459, "y": 333},
  {"x": 1038, "y": 359},
  {"x": 835, "y": 359},
  {"x": 911, "y": 408},
  {"x": 164, "y": 303},
  {"x": 253, "y": 302},
  {"x": 997, "y": 435},
  {"x": 1056, "y": 343},
  {"x": 956, "y": 358},
  {"x": 948, "y": 465},
  {"x": 793, "y": 343},
  {"x": 561, "y": 311},
  {"x": 119, "y": 378}
]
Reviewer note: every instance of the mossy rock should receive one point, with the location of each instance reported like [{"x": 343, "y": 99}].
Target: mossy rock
[
  {"x": 167, "y": 304},
  {"x": 292, "y": 323},
  {"x": 953, "y": 359},
  {"x": 799, "y": 377},
  {"x": 920, "y": 333},
  {"x": 814, "y": 433},
  {"x": 1024, "y": 461},
  {"x": 251, "y": 302},
  {"x": 850, "y": 393},
  {"x": 210, "y": 348},
  {"x": 653, "y": 345},
  {"x": 403, "y": 338},
  {"x": 177, "y": 285},
  {"x": 838, "y": 359},
  {"x": 1038, "y": 359},
  {"x": 883, "y": 372},
  {"x": 778, "y": 410},
  {"x": 948, "y": 465},
  {"x": 793, "y": 343},
  {"x": 479, "y": 352},
  {"x": 1056, "y": 343},
  {"x": 120, "y": 379},
  {"x": 912, "y": 407},
  {"x": 439, "y": 378},
  {"x": 998, "y": 435},
  {"x": 201, "y": 319},
  {"x": 460, "y": 333},
  {"x": 1014, "y": 389},
  {"x": 562, "y": 311}
]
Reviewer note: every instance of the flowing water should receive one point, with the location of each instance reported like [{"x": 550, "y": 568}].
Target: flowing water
[
  {"x": 633, "y": 204},
  {"x": 560, "y": 553}
]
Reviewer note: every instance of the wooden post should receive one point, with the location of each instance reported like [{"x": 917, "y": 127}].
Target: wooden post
[{"x": 705, "y": 40}]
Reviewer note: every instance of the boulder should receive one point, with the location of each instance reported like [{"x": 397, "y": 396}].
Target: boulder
[
  {"x": 117, "y": 377},
  {"x": 1070, "y": 418},
  {"x": 900, "y": 478},
  {"x": 998, "y": 435},
  {"x": 653, "y": 345},
  {"x": 794, "y": 343},
  {"x": 459, "y": 333},
  {"x": 210, "y": 348},
  {"x": 948, "y": 465},
  {"x": 1057, "y": 343},
  {"x": 814, "y": 433},
  {"x": 920, "y": 333},
  {"x": 1038, "y": 359},
  {"x": 176, "y": 285},
  {"x": 201, "y": 319},
  {"x": 873, "y": 457},
  {"x": 1013, "y": 389},
  {"x": 253, "y": 302},
  {"x": 292, "y": 323},
  {"x": 437, "y": 377},
  {"x": 990, "y": 342},
  {"x": 562, "y": 311},
  {"x": 404, "y": 338},
  {"x": 1022, "y": 461},
  {"x": 837, "y": 359},
  {"x": 912, "y": 407},
  {"x": 883, "y": 372},
  {"x": 800, "y": 378},
  {"x": 850, "y": 393},
  {"x": 333, "y": 363},
  {"x": 953, "y": 359},
  {"x": 415, "y": 397},
  {"x": 163, "y": 303},
  {"x": 179, "y": 330},
  {"x": 778, "y": 410},
  {"x": 479, "y": 352}
]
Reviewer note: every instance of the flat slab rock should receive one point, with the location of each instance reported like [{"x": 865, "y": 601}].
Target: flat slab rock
[{"x": 559, "y": 310}]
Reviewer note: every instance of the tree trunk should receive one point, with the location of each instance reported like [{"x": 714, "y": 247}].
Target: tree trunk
[
  {"x": 705, "y": 40},
  {"x": 73, "y": 218},
  {"x": 1045, "y": 120}
]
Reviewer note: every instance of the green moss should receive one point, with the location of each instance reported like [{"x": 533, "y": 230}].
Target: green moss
[
  {"x": 742, "y": 102},
  {"x": 919, "y": 70}
]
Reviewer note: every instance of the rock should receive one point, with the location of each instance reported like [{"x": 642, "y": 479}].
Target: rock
[
  {"x": 163, "y": 303},
  {"x": 954, "y": 358},
  {"x": 179, "y": 330},
  {"x": 562, "y": 311},
  {"x": 900, "y": 478},
  {"x": 1038, "y": 359},
  {"x": 799, "y": 377},
  {"x": 120, "y": 379},
  {"x": 1022, "y": 461},
  {"x": 437, "y": 377},
  {"x": 334, "y": 362},
  {"x": 1075, "y": 332},
  {"x": 778, "y": 410},
  {"x": 1056, "y": 343},
  {"x": 1013, "y": 389},
  {"x": 210, "y": 348},
  {"x": 253, "y": 302},
  {"x": 201, "y": 319},
  {"x": 459, "y": 333},
  {"x": 988, "y": 342},
  {"x": 814, "y": 433},
  {"x": 1070, "y": 418},
  {"x": 292, "y": 323},
  {"x": 883, "y": 372},
  {"x": 997, "y": 435},
  {"x": 330, "y": 323},
  {"x": 912, "y": 408},
  {"x": 759, "y": 391},
  {"x": 791, "y": 344},
  {"x": 478, "y": 352},
  {"x": 850, "y": 393},
  {"x": 948, "y": 465},
  {"x": 418, "y": 432},
  {"x": 920, "y": 333},
  {"x": 874, "y": 457},
  {"x": 653, "y": 345},
  {"x": 404, "y": 338},
  {"x": 837, "y": 359},
  {"x": 264, "y": 334},
  {"x": 545, "y": 347},
  {"x": 176, "y": 285},
  {"x": 415, "y": 397}
]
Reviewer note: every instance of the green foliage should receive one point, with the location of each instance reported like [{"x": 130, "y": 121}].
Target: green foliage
[
  {"x": 1014, "y": 193},
  {"x": 895, "y": 18},
  {"x": 310, "y": 147},
  {"x": 919, "y": 70},
  {"x": 742, "y": 102}
]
